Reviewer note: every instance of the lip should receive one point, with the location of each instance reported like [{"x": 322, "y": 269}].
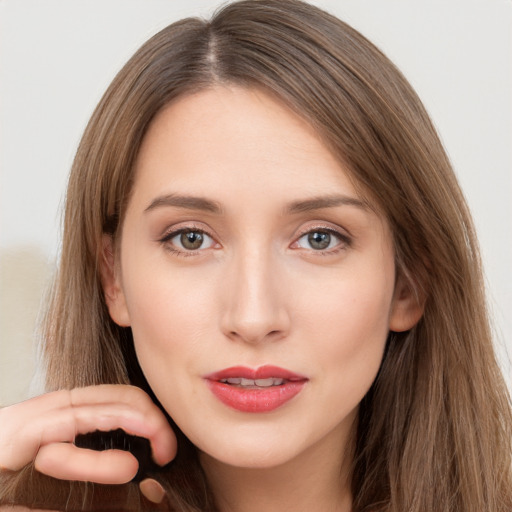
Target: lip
[{"x": 255, "y": 400}]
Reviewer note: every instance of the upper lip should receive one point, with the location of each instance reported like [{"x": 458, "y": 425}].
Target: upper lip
[{"x": 263, "y": 372}]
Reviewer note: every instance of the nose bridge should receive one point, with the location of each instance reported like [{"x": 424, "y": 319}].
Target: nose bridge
[{"x": 256, "y": 310}]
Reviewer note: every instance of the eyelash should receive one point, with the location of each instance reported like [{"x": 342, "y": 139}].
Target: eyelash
[
  {"x": 344, "y": 240},
  {"x": 165, "y": 240}
]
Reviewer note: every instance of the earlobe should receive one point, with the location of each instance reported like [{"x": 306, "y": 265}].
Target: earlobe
[
  {"x": 112, "y": 289},
  {"x": 407, "y": 308}
]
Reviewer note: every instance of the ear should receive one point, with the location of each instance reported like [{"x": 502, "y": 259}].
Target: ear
[
  {"x": 407, "y": 307},
  {"x": 110, "y": 281}
]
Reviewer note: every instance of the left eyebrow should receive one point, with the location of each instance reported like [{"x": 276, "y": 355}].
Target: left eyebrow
[{"x": 320, "y": 202}]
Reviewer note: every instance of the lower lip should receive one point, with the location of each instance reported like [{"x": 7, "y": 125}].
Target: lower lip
[{"x": 255, "y": 399}]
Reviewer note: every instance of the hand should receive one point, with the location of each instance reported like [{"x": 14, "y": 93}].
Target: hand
[{"x": 42, "y": 430}]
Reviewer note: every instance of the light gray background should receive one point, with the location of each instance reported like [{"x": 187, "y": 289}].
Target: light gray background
[{"x": 58, "y": 56}]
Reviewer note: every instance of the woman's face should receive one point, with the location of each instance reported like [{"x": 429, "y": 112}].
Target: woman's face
[{"x": 246, "y": 254}]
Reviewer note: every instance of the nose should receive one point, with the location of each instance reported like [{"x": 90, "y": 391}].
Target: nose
[{"x": 256, "y": 308}]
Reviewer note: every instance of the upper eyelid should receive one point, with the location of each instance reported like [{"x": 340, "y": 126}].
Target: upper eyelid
[
  {"x": 319, "y": 228},
  {"x": 345, "y": 239},
  {"x": 341, "y": 232},
  {"x": 174, "y": 230},
  {"x": 165, "y": 240}
]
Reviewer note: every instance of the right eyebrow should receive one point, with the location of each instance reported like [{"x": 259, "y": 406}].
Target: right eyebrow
[{"x": 187, "y": 202}]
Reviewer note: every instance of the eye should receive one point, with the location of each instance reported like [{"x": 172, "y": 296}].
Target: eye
[
  {"x": 322, "y": 240},
  {"x": 189, "y": 240}
]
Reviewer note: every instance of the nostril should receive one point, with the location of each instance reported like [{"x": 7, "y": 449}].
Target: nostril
[{"x": 257, "y": 336}]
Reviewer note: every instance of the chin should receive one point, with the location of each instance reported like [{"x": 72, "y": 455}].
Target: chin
[
  {"x": 250, "y": 458},
  {"x": 250, "y": 448}
]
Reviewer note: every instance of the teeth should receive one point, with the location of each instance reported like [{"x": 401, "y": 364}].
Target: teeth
[{"x": 262, "y": 383}]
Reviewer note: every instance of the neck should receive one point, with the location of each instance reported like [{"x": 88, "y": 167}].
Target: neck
[{"x": 317, "y": 479}]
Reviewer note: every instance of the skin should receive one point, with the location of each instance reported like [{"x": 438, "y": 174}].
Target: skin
[
  {"x": 255, "y": 291},
  {"x": 41, "y": 430}
]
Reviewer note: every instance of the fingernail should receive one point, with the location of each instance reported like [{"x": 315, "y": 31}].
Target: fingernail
[{"x": 152, "y": 490}]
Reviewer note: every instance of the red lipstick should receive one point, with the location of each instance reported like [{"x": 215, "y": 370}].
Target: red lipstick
[{"x": 255, "y": 390}]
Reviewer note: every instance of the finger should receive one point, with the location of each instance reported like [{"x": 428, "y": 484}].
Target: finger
[
  {"x": 152, "y": 490},
  {"x": 64, "y": 424},
  {"x": 67, "y": 462},
  {"x": 89, "y": 395},
  {"x": 155, "y": 426},
  {"x": 132, "y": 421},
  {"x": 105, "y": 394},
  {"x": 59, "y": 416}
]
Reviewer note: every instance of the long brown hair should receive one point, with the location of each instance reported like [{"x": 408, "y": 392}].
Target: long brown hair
[{"x": 435, "y": 430}]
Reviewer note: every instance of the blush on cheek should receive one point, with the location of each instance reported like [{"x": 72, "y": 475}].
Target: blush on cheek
[{"x": 360, "y": 331}]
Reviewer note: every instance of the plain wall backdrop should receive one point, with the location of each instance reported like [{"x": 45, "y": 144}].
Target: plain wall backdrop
[{"x": 58, "y": 56}]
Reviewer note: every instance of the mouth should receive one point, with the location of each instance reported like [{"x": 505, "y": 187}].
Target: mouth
[{"x": 255, "y": 390}]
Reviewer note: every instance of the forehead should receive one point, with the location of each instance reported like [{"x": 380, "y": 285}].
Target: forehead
[{"x": 237, "y": 139}]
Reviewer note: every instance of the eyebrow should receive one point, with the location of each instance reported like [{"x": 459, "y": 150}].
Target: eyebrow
[
  {"x": 301, "y": 206},
  {"x": 187, "y": 202},
  {"x": 320, "y": 202}
]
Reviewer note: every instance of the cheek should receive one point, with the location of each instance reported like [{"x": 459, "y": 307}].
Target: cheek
[
  {"x": 170, "y": 313},
  {"x": 348, "y": 331},
  {"x": 339, "y": 326}
]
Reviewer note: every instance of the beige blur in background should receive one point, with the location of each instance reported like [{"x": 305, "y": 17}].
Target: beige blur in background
[
  {"x": 24, "y": 278},
  {"x": 57, "y": 57}
]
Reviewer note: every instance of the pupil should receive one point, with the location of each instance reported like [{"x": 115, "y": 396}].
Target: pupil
[
  {"x": 319, "y": 240},
  {"x": 191, "y": 240}
]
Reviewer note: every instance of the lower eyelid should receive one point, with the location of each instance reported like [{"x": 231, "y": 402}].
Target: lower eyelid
[{"x": 181, "y": 252}]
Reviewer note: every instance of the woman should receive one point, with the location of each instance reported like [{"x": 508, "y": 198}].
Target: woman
[{"x": 263, "y": 233}]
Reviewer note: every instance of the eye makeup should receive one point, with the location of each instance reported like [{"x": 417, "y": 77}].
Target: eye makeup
[{"x": 191, "y": 240}]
